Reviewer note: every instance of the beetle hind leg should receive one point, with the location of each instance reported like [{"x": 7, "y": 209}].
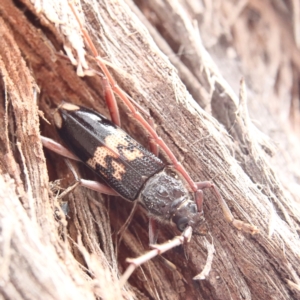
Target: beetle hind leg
[{"x": 90, "y": 184}]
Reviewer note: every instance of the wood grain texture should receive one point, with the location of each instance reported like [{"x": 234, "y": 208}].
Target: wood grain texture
[{"x": 75, "y": 256}]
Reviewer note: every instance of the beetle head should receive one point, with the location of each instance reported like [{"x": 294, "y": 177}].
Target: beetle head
[
  {"x": 188, "y": 215},
  {"x": 166, "y": 198}
]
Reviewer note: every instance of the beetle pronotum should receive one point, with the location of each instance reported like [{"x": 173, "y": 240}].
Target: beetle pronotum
[{"x": 167, "y": 192}]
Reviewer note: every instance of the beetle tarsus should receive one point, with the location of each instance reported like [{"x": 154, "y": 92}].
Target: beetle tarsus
[{"x": 240, "y": 225}]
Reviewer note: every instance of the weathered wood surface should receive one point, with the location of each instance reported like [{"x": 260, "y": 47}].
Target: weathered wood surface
[{"x": 45, "y": 255}]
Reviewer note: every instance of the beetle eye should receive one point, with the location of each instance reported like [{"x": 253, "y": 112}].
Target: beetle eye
[{"x": 182, "y": 223}]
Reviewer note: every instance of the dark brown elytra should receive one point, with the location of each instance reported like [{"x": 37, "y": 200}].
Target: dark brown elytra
[{"x": 178, "y": 199}]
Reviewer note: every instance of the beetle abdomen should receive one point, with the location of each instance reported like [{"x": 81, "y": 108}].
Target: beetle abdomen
[{"x": 120, "y": 161}]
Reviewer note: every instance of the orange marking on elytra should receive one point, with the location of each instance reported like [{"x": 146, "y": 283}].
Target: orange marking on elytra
[
  {"x": 117, "y": 140},
  {"x": 112, "y": 149},
  {"x": 119, "y": 170},
  {"x": 99, "y": 157}
]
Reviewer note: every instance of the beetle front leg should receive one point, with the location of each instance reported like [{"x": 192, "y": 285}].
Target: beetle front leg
[
  {"x": 240, "y": 225},
  {"x": 158, "y": 249}
]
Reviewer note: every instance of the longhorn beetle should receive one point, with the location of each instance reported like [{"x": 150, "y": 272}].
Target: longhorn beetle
[{"x": 131, "y": 171}]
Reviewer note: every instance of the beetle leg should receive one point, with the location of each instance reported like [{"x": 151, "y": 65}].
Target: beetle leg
[
  {"x": 157, "y": 250},
  {"x": 226, "y": 211},
  {"x": 152, "y": 144},
  {"x": 153, "y": 231},
  {"x": 68, "y": 190},
  {"x": 92, "y": 185},
  {"x": 98, "y": 187},
  {"x": 199, "y": 200},
  {"x": 58, "y": 148},
  {"x": 111, "y": 102},
  {"x": 153, "y": 234},
  {"x": 127, "y": 222}
]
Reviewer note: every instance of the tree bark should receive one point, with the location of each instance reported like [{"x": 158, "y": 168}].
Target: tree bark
[{"x": 48, "y": 254}]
